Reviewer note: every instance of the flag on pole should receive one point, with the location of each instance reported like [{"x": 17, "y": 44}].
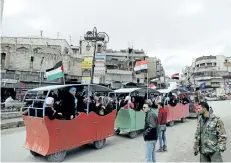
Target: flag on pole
[
  {"x": 155, "y": 80},
  {"x": 152, "y": 85},
  {"x": 56, "y": 72},
  {"x": 175, "y": 76},
  {"x": 141, "y": 65},
  {"x": 202, "y": 86}
]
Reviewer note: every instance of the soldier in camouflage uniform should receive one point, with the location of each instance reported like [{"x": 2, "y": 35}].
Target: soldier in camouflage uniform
[{"x": 210, "y": 137}]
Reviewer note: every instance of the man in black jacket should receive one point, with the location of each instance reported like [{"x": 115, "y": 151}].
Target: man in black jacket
[{"x": 150, "y": 133}]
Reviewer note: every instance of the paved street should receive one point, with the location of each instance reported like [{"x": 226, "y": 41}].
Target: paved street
[{"x": 121, "y": 148}]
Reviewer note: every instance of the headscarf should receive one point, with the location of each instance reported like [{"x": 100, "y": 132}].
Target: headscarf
[
  {"x": 128, "y": 98},
  {"x": 76, "y": 100},
  {"x": 50, "y": 101}
]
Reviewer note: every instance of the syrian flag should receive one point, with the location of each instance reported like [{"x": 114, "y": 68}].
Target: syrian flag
[
  {"x": 152, "y": 86},
  {"x": 56, "y": 72},
  {"x": 141, "y": 65},
  {"x": 175, "y": 76}
]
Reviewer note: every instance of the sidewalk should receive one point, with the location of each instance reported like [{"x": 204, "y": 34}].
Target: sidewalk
[
  {"x": 11, "y": 123},
  {"x": 10, "y": 115}
]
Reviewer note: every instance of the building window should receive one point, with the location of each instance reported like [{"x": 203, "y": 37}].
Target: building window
[
  {"x": 66, "y": 51},
  {"x": 31, "y": 62},
  {"x": 3, "y": 59},
  {"x": 36, "y": 50},
  {"x": 202, "y": 65},
  {"x": 209, "y": 64},
  {"x": 22, "y": 50},
  {"x": 17, "y": 76},
  {"x": 32, "y": 78},
  {"x": 9, "y": 76}
]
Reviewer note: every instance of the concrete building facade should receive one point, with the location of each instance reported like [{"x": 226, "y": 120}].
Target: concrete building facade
[
  {"x": 209, "y": 69},
  {"x": 119, "y": 65},
  {"x": 24, "y": 61}
]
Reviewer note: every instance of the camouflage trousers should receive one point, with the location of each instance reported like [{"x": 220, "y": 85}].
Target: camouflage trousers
[{"x": 213, "y": 157}]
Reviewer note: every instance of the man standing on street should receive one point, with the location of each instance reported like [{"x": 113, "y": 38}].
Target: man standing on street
[
  {"x": 150, "y": 133},
  {"x": 210, "y": 137},
  {"x": 162, "y": 121}
]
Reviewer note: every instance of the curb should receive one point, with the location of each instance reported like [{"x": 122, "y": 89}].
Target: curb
[
  {"x": 12, "y": 125},
  {"x": 10, "y": 115}
]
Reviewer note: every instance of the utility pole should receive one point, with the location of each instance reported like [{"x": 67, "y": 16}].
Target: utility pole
[{"x": 57, "y": 35}]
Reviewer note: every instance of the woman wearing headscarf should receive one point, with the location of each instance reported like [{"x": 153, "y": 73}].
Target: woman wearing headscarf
[
  {"x": 50, "y": 111},
  {"x": 100, "y": 106},
  {"x": 128, "y": 102},
  {"x": 69, "y": 107}
]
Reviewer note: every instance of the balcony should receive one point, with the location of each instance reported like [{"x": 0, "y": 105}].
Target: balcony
[
  {"x": 215, "y": 85},
  {"x": 206, "y": 58},
  {"x": 139, "y": 75},
  {"x": 201, "y": 69},
  {"x": 122, "y": 72}
]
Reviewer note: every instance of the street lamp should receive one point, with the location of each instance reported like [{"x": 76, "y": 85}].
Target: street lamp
[
  {"x": 94, "y": 36},
  {"x": 104, "y": 47},
  {"x": 88, "y": 47}
]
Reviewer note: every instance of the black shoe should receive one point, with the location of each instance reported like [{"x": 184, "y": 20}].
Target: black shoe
[
  {"x": 165, "y": 148},
  {"x": 160, "y": 150}
]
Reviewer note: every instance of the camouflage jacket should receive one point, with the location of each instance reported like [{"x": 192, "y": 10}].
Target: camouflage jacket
[{"x": 210, "y": 136}]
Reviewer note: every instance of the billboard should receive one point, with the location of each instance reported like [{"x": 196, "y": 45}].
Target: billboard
[
  {"x": 87, "y": 63},
  {"x": 99, "y": 71}
]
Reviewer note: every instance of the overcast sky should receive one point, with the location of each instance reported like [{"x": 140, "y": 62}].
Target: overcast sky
[{"x": 176, "y": 31}]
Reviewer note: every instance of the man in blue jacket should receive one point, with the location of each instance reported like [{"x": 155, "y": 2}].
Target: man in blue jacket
[{"x": 150, "y": 133}]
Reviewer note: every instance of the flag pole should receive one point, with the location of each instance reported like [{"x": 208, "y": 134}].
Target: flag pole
[
  {"x": 63, "y": 67},
  {"x": 63, "y": 79},
  {"x": 40, "y": 73},
  {"x": 147, "y": 84}
]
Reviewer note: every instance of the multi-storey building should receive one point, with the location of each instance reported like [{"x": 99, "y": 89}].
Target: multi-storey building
[
  {"x": 209, "y": 69},
  {"x": 24, "y": 61},
  {"x": 119, "y": 65},
  {"x": 156, "y": 71}
]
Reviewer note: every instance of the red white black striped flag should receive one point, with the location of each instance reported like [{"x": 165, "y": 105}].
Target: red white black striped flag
[{"x": 175, "y": 76}]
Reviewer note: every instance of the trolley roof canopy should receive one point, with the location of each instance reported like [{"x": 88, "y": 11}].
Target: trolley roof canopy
[
  {"x": 139, "y": 90},
  {"x": 93, "y": 87},
  {"x": 172, "y": 90}
]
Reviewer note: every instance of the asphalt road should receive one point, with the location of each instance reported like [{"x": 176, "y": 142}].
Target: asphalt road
[{"x": 122, "y": 148}]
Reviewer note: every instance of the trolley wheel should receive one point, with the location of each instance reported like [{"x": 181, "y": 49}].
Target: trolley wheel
[
  {"x": 100, "y": 144},
  {"x": 57, "y": 157},
  {"x": 171, "y": 123},
  {"x": 117, "y": 132},
  {"x": 183, "y": 120},
  {"x": 34, "y": 153},
  {"x": 133, "y": 134}
]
